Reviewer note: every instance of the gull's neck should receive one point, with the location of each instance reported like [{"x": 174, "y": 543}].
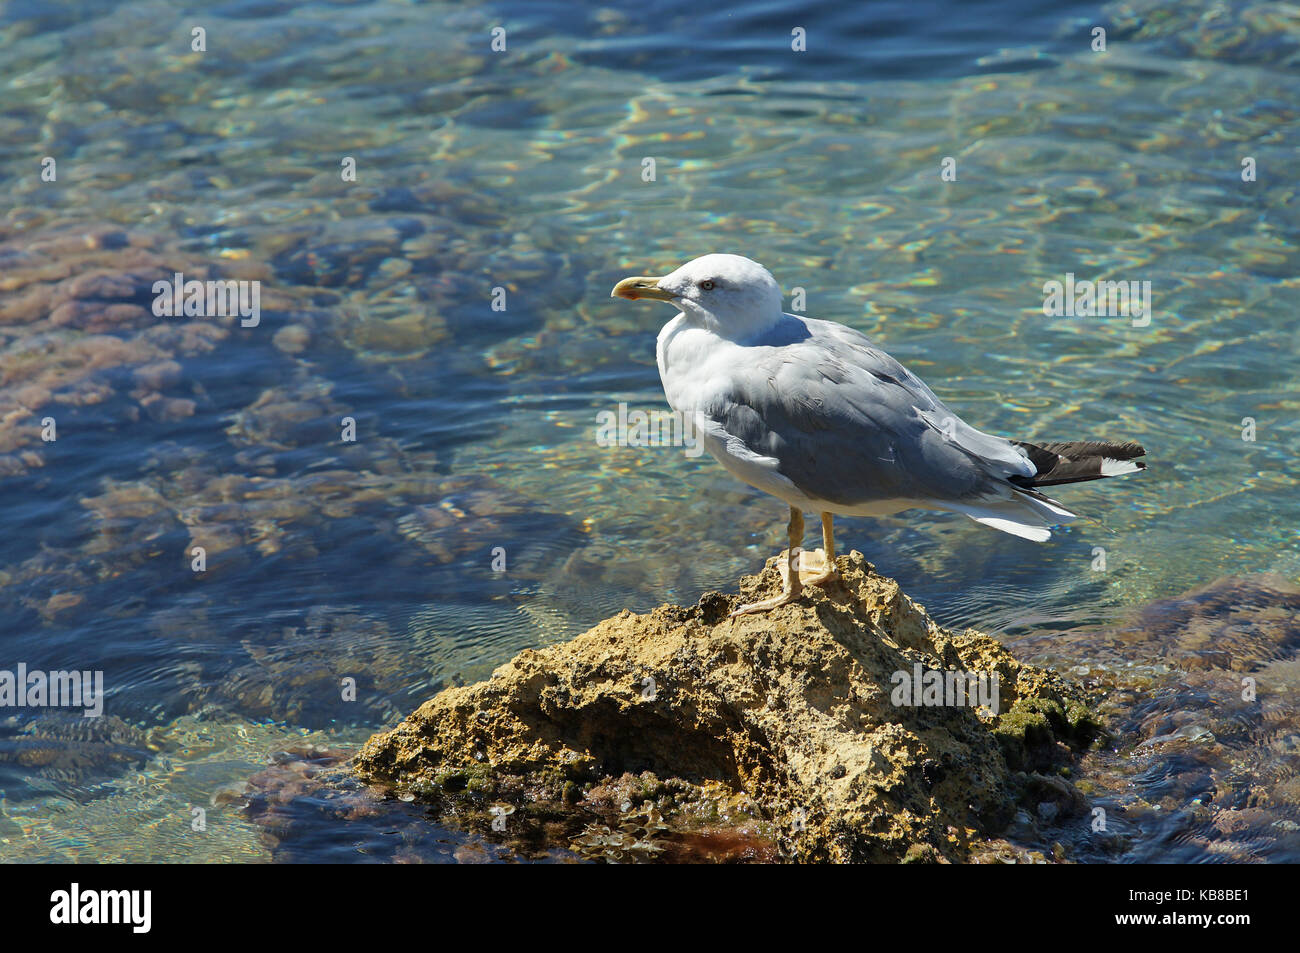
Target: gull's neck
[{"x": 739, "y": 328}]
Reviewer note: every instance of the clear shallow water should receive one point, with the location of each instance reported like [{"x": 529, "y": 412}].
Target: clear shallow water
[{"x": 476, "y": 428}]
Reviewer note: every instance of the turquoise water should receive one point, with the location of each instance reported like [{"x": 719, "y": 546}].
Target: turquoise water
[{"x": 522, "y": 170}]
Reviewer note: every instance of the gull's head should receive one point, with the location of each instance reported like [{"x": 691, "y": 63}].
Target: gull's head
[{"x": 729, "y": 294}]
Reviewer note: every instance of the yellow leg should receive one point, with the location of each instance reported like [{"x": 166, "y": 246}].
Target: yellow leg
[
  {"x": 827, "y": 567},
  {"x": 791, "y": 586}
]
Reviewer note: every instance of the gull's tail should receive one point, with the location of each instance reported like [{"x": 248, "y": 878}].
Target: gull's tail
[
  {"x": 1030, "y": 514},
  {"x": 1079, "y": 461}
]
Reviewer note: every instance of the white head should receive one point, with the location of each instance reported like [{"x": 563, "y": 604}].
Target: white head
[{"x": 728, "y": 294}]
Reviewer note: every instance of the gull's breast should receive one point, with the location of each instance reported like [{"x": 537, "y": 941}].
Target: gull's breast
[{"x": 692, "y": 364}]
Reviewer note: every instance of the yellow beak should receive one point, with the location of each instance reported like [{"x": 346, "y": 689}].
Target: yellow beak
[{"x": 641, "y": 287}]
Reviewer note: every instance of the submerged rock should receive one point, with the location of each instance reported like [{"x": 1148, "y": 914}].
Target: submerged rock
[
  {"x": 1199, "y": 691},
  {"x": 70, "y": 754},
  {"x": 789, "y": 729}
]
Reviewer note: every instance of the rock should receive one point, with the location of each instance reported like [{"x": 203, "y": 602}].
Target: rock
[
  {"x": 303, "y": 798},
  {"x": 70, "y": 754},
  {"x": 284, "y": 417},
  {"x": 296, "y": 675},
  {"x": 158, "y": 375},
  {"x": 292, "y": 339},
  {"x": 1237, "y": 623},
  {"x": 1199, "y": 691},
  {"x": 792, "y": 710}
]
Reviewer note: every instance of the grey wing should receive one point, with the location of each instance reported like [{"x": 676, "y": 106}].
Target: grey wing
[
  {"x": 999, "y": 456},
  {"x": 849, "y": 424}
]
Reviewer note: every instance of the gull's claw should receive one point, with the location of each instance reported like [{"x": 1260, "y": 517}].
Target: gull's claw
[
  {"x": 815, "y": 569},
  {"x": 800, "y": 568},
  {"x": 791, "y": 588},
  {"x": 787, "y": 596}
]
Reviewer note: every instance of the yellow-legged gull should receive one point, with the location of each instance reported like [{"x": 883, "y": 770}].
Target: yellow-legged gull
[{"x": 812, "y": 413}]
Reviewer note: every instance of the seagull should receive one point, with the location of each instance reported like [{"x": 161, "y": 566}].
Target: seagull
[{"x": 816, "y": 415}]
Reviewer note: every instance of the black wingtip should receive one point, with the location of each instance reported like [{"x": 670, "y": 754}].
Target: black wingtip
[{"x": 1078, "y": 461}]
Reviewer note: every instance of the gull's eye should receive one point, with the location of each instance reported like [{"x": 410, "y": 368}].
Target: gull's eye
[{"x": 706, "y": 285}]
